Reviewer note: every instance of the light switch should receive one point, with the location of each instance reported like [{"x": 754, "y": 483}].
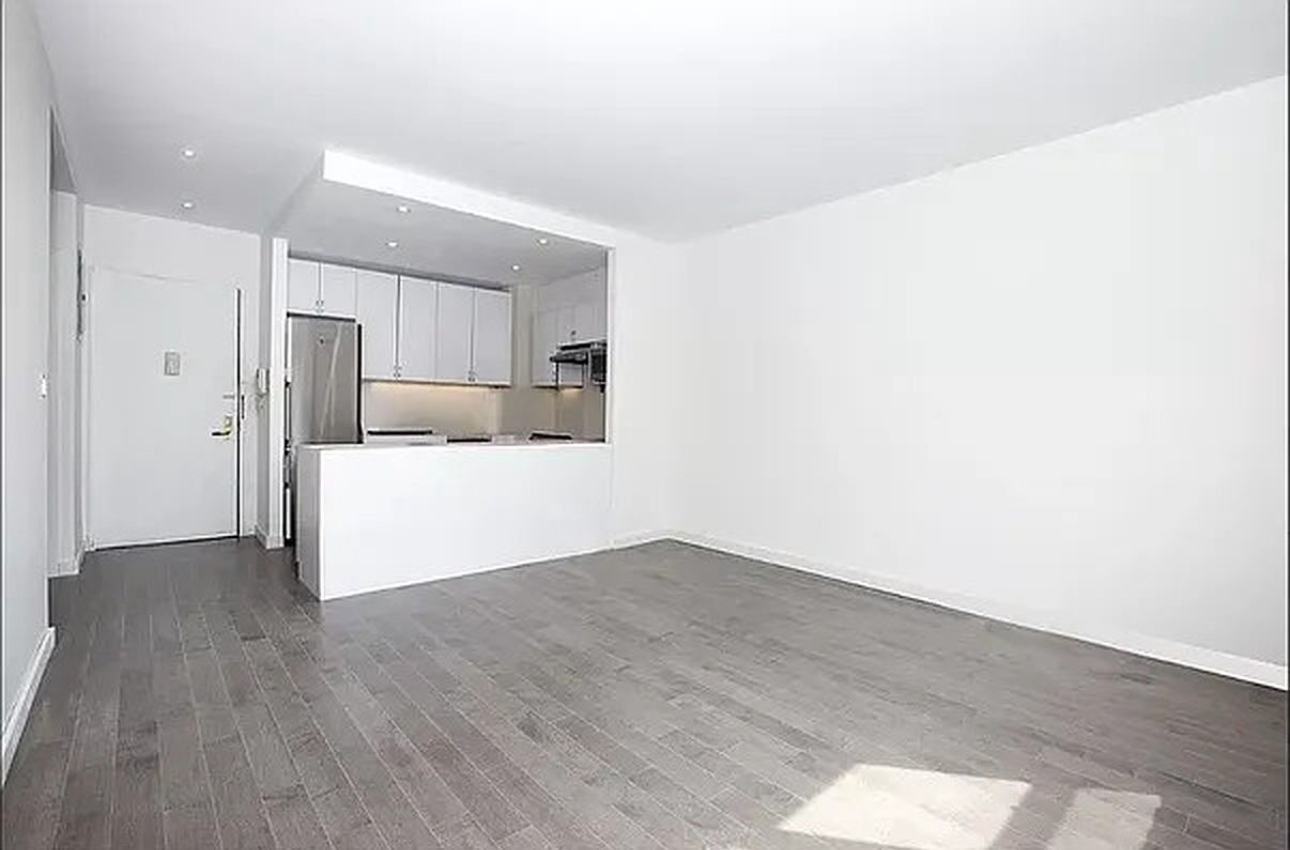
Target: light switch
[
  {"x": 172, "y": 362},
  {"x": 44, "y": 386}
]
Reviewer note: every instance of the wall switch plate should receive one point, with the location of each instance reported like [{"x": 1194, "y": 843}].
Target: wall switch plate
[
  {"x": 44, "y": 386},
  {"x": 172, "y": 363}
]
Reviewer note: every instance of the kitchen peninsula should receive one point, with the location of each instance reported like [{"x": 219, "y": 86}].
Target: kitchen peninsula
[{"x": 373, "y": 517}]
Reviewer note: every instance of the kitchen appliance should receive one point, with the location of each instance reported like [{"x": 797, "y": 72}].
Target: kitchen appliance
[
  {"x": 322, "y": 391},
  {"x": 590, "y": 356}
]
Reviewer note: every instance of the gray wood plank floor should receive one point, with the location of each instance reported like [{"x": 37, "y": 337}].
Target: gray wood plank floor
[{"x": 657, "y": 697}]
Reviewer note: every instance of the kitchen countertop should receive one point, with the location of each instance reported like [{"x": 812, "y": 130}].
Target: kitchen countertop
[{"x": 494, "y": 440}]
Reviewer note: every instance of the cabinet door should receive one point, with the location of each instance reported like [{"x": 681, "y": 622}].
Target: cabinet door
[
  {"x": 417, "y": 322},
  {"x": 566, "y": 330},
  {"x": 452, "y": 340},
  {"x": 566, "y": 325},
  {"x": 599, "y": 319},
  {"x": 304, "y": 289},
  {"x": 338, "y": 291},
  {"x": 585, "y": 324},
  {"x": 491, "y": 339},
  {"x": 544, "y": 341},
  {"x": 377, "y": 296}
]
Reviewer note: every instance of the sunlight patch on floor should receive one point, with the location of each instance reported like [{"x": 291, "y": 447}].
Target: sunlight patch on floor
[
  {"x": 1121, "y": 818},
  {"x": 921, "y": 809},
  {"x": 930, "y": 810}
]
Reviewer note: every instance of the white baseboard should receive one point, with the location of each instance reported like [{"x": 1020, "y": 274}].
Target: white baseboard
[
  {"x": 68, "y": 566},
  {"x": 638, "y": 538},
  {"x": 266, "y": 540},
  {"x": 1209, "y": 660},
  {"x": 22, "y": 702}
]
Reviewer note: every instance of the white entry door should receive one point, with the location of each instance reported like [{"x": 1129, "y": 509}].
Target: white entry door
[{"x": 163, "y": 418}]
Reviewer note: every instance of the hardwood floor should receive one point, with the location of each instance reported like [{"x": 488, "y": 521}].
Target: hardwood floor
[{"x": 657, "y": 697}]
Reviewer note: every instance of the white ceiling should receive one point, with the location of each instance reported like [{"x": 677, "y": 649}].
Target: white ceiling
[
  {"x": 332, "y": 220},
  {"x": 668, "y": 117}
]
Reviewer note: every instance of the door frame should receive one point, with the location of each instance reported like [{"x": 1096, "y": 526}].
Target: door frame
[{"x": 89, "y": 272}]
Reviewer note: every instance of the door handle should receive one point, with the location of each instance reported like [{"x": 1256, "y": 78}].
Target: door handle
[{"x": 226, "y": 429}]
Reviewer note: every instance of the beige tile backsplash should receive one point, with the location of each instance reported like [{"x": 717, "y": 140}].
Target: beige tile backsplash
[
  {"x": 484, "y": 410},
  {"x": 580, "y": 412},
  {"x": 447, "y": 409}
]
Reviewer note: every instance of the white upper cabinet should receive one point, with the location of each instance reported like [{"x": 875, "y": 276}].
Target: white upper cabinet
[
  {"x": 412, "y": 328},
  {"x": 566, "y": 330},
  {"x": 304, "y": 286},
  {"x": 418, "y": 319},
  {"x": 338, "y": 291},
  {"x": 579, "y": 307},
  {"x": 452, "y": 343},
  {"x": 320, "y": 288},
  {"x": 491, "y": 340},
  {"x": 552, "y": 329},
  {"x": 377, "y": 296},
  {"x": 589, "y": 321},
  {"x": 545, "y": 339}
]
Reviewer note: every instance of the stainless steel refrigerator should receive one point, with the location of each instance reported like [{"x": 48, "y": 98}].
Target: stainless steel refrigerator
[{"x": 322, "y": 391}]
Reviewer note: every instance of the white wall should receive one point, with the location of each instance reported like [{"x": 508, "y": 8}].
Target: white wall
[
  {"x": 1050, "y": 386},
  {"x": 24, "y": 306},
  {"x": 648, "y": 299},
  {"x": 271, "y": 406},
  {"x": 64, "y": 384},
  {"x": 183, "y": 251}
]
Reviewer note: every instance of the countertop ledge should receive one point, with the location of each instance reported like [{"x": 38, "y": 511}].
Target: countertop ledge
[{"x": 492, "y": 444}]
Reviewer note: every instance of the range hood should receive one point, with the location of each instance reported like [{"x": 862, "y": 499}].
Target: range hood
[{"x": 588, "y": 355}]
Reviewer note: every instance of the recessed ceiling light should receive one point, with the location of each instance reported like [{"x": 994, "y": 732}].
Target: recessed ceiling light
[
  {"x": 404, "y": 208},
  {"x": 542, "y": 240},
  {"x": 392, "y": 244},
  {"x": 188, "y": 205},
  {"x": 189, "y": 153},
  {"x": 515, "y": 267}
]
